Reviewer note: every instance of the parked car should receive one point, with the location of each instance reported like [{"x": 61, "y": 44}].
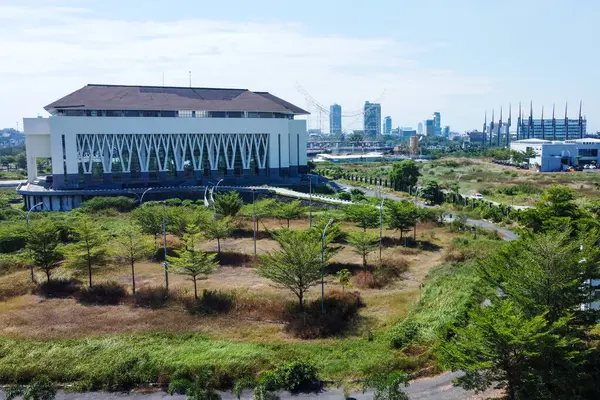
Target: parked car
[
  {"x": 477, "y": 196},
  {"x": 586, "y": 166}
]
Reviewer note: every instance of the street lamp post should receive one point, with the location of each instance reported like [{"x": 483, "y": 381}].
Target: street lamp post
[
  {"x": 165, "y": 264},
  {"x": 27, "y": 225},
  {"x": 206, "y": 203},
  {"x": 143, "y": 194},
  {"x": 254, "y": 221},
  {"x": 380, "y": 228},
  {"x": 323, "y": 265},
  {"x": 217, "y": 185},
  {"x": 415, "y": 228},
  {"x": 310, "y": 200}
]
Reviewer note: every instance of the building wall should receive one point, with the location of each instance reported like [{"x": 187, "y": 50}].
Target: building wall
[
  {"x": 550, "y": 155},
  {"x": 283, "y": 140},
  {"x": 335, "y": 119},
  {"x": 536, "y": 131},
  {"x": 372, "y": 119}
]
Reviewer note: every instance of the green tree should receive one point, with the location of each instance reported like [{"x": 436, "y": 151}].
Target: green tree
[
  {"x": 434, "y": 215},
  {"x": 401, "y": 216},
  {"x": 547, "y": 276},
  {"x": 264, "y": 208},
  {"x": 131, "y": 245},
  {"x": 405, "y": 173},
  {"x": 219, "y": 229},
  {"x": 557, "y": 210},
  {"x": 89, "y": 250},
  {"x": 42, "y": 242},
  {"x": 297, "y": 265},
  {"x": 343, "y": 278},
  {"x": 191, "y": 261},
  {"x": 150, "y": 218},
  {"x": 228, "y": 203},
  {"x": 497, "y": 347},
  {"x": 291, "y": 210},
  {"x": 21, "y": 161},
  {"x": 363, "y": 243},
  {"x": 363, "y": 215},
  {"x": 431, "y": 192}
]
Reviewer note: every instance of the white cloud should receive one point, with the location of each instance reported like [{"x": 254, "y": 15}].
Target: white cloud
[{"x": 49, "y": 51}]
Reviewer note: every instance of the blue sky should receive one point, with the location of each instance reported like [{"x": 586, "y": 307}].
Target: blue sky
[{"x": 459, "y": 57}]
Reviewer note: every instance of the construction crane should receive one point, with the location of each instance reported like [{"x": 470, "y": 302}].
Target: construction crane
[{"x": 321, "y": 109}]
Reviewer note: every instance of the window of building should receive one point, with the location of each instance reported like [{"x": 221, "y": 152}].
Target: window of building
[
  {"x": 218, "y": 114},
  {"x": 150, "y": 113},
  {"x": 235, "y": 114},
  {"x": 186, "y": 113},
  {"x": 588, "y": 152},
  {"x": 168, "y": 114}
]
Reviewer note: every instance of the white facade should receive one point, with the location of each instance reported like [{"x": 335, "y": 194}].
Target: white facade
[
  {"x": 555, "y": 155},
  {"x": 84, "y": 149}
]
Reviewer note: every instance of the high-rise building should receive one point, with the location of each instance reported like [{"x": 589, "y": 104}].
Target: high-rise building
[
  {"x": 372, "y": 119},
  {"x": 429, "y": 126},
  {"x": 446, "y": 131},
  {"x": 437, "y": 123},
  {"x": 387, "y": 125},
  {"x": 335, "y": 119},
  {"x": 420, "y": 128}
]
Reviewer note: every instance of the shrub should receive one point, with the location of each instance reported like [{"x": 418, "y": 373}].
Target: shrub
[
  {"x": 390, "y": 269},
  {"x": 310, "y": 323},
  {"x": 404, "y": 334},
  {"x": 179, "y": 386},
  {"x": 174, "y": 202},
  {"x": 211, "y": 302},
  {"x": 151, "y": 297},
  {"x": 120, "y": 203},
  {"x": 110, "y": 293},
  {"x": 366, "y": 280},
  {"x": 295, "y": 376},
  {"x": 59, "y": 288},
  {"x": 41, "y": 388}
]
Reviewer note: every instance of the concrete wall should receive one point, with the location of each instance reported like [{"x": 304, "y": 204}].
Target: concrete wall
[{"x": 286, "y": 146}]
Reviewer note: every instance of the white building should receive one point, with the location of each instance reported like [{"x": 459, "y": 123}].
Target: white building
[
  {"x": 118, "y": 137},
  {"x": 555, "y": 155}
]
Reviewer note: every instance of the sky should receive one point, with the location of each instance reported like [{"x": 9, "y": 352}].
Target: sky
[{"x": 461, "y": 57}]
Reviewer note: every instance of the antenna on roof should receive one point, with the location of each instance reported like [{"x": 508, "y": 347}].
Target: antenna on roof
[
  {"x": 190, "y": 78},
  {"x": 163, "y": 78}
]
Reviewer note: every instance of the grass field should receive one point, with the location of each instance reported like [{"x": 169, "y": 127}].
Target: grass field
[
  {"x": 73, "y": 342},
  {"x": 479, "y": 175}
]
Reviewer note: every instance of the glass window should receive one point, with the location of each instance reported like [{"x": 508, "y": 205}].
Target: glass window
[
  {"x": 185, "y": 113},
  {"x": 235, "y": 114},
  {"x": 218, "y": 114}
]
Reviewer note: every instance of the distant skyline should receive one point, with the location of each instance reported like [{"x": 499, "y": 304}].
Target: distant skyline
[{"x": 470, "y": 57}]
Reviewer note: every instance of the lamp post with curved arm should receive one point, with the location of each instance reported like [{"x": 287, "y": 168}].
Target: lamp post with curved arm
[
  {"x": 165, "y": 264},
  {"x": 143, "y": 194},
  {"x": 323, "y": 265},
  {"x": 380, "y": 228},
  {"x": 27, "y": 225}
]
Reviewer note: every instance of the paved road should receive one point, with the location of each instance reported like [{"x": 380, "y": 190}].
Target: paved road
[
  {"x": 506, "y": 234},
  {"x": 433, "y": 388}
]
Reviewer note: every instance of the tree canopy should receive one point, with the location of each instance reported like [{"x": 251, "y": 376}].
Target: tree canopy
[{"x": 405, "y": 173}]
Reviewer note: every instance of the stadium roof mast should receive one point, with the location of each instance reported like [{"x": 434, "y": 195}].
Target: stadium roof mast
[
  {"x": 484, "y": 136},
  {"x": 519, "y": 121},
  {"x": 553, "y": 123},
  {"x": 580, "y": 121},
  {"x": 509, "y": 124},
  {"x": 543, "y": 130},
  {"x": 492, "y": 128},
  {"x": 530, "y": 126},
  {"x": 499, "y": 129},
  {"x": 566, "y": 122}
]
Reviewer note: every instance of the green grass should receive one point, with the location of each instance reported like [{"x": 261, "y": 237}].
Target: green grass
[
  {"x": 154, "y": 356},
  {"x": 449, "y": 291}
]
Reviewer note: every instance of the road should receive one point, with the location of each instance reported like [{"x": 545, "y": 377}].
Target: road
[
  {"x": 506, "y": 234},
  {"x": 433, "y": 388},
  {"x": 11, "y": 184}
]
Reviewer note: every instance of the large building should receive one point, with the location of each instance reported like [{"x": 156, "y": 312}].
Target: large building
[
  {"x": 387, "y": 125},
  {"x": 429, "y": 127},
  {"x": 420, "y": 128},
  {"x": 437, "y": 119},
  {"x": 335, "y": 119},
  {"x": 372, "y": 119},
  {"x": 120, "y": 137},
  {"x": 558, "y": 155}
]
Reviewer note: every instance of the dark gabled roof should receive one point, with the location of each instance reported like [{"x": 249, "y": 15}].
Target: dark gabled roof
[{"x": 118, "y": 97}]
